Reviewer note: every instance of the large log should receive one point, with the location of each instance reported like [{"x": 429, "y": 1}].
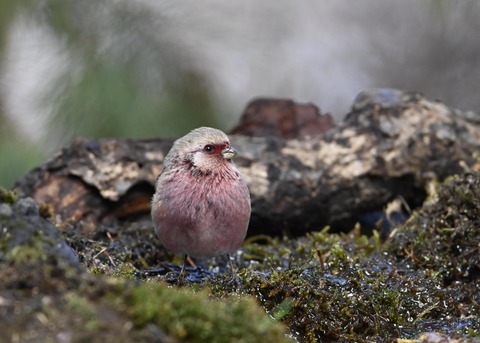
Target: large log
[{"x": 391, "y": 144}]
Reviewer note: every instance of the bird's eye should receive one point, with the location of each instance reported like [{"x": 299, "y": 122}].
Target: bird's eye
[{"x": 208, "y": 148}]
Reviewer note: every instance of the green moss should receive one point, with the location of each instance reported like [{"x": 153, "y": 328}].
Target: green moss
[
  {"x": 8, "y": 197},
  {"x": 195, "y": 317},
  {"x": 45, "y": 210},
  {"x": 283, "y": 309},
  {"x": 124, "y": 271},
  {"x": 443, "y": 236},
  {"x": 87, "y": 311},
  {"x": 352, "y": 301},
  {"x": 340, "y": 256},
  {"x": 27, "y": 253}
]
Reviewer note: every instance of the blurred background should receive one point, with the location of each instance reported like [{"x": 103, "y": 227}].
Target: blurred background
[{"x": 154, "y": 68}]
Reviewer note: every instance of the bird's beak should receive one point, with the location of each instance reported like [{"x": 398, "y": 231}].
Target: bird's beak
[{"x": 229, "y": 153}]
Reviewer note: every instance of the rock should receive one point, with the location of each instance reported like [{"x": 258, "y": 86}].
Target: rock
[
  {"x": 24, "y": 231},
  {"x": 5, "y": 210},
  {"x": 282, "y": 118},
  {"x": 27, "y": 206}
]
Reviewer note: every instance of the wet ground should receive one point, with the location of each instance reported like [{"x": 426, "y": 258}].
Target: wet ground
[{"x": 73, "y": 282}]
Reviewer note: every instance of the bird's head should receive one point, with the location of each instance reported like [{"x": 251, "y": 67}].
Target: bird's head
[{"x": 206, "y": 150}]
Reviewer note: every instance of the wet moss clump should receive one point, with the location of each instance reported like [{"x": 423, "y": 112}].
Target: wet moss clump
[
  {"x": 444, "y": 236},
  {"x": 7, "y": 197},
  {"x": 195, "y": 317},
  {"x": 349, "y": 287},
  {"x": 350, "y": 298}
]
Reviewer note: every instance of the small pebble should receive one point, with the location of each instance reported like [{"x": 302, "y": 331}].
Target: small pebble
[
  {"x": 5, "y": 210},
  {"x": 386, "y": 97},
  {"x": 27, "y": 206}
]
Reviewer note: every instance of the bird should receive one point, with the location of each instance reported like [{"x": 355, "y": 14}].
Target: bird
[{"x": 201, "y": 206}]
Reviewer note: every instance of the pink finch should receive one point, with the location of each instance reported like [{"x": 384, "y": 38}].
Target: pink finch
[{"x": 201, "y": 206}]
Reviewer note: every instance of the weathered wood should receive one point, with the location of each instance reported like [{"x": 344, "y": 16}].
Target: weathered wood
[{"x": 391, "y": 144}]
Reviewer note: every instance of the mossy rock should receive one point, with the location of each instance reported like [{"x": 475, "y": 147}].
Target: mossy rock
[{"x": 48, "y": 296}]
